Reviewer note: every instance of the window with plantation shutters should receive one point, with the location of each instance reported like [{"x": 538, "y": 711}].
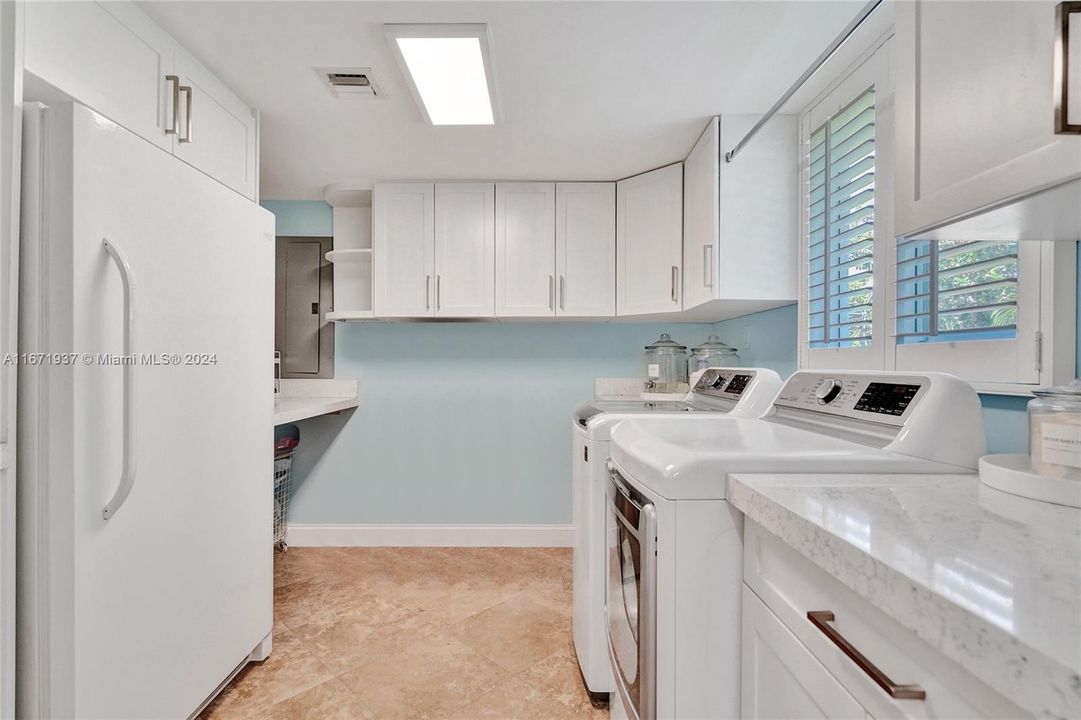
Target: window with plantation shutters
[
  {"x": 950, "y": 290},
  {"x": 841, "y": 227}
]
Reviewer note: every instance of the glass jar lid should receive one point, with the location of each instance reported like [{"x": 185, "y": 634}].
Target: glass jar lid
[
  {"x": 665, "y": 343},
  {"x": 714, "y": 344}
]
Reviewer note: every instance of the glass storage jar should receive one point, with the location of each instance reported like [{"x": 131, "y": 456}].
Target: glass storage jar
[
  {"x": 666, "y": 366},
  {"x": 712, "y": 353},
  {"x": 1054, "y": 420}
]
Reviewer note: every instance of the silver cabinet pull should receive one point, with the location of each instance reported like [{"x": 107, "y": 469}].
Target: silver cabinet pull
[
  {"x": 175, "y": 82},
  {"x": 186, "y": 137},
  {"x": 427, "y": 292},
  {"x": 127, "y": 472},
  {"x": 821, "y": 619},
  {"x": 551, "y": 293},
  {"x": 1061, "y": 68},
  {"x": 438, "y": 292},
  {"x": 675, "y": 281},
  {"x": 707, "y": 265},
  {"x": 562, "y": 292}
]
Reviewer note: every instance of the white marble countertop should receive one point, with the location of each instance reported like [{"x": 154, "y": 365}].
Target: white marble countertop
[
  {"x": 990, "y": 580},
  {"x": 300, "y": 399}
]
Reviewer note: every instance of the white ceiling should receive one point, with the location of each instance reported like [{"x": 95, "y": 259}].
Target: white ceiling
[{"x": 588, "y": 90}]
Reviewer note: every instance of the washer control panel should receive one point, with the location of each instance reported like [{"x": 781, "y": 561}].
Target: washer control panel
[
  {"x": 875, "y": 398},
  {"x": 726, "y": 383}
]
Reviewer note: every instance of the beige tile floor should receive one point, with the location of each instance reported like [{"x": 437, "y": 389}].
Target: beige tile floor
[{"x": 440, "y": 633}]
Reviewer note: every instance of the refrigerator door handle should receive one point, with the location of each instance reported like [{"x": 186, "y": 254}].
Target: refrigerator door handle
[{"x": 127, "y": 475}]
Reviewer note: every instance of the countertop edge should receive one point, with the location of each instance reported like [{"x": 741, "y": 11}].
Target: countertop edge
[
  {"x": 318, "y": 406},
  {"x": 1018, "y": 671}
]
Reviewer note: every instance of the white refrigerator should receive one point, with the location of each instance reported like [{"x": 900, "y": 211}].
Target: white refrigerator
[{"x": 145, "y": 477}]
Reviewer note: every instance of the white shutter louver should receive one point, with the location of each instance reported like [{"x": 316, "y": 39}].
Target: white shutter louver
[{"x": 841, "y": 223}]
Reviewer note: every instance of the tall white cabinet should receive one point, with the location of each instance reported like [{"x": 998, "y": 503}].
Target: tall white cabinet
[
  {"x": 525, "y": 249},
  {"x": 740, "y": 218},
  {"x": 403, "y": 249},
  {"x": 465, "y": 249},
  {"x": 975, "y": 115},
  {"x": 649, "y": 242},
  {"x": 585, "y": 249}
]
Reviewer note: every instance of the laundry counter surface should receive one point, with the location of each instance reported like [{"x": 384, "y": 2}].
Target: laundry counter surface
[
  {"x": 300, "y": 399},
  {"x": 991, "y": 580}
]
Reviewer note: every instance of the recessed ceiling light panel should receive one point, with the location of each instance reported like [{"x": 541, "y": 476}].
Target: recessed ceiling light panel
[{"x": 449, "y": 68}]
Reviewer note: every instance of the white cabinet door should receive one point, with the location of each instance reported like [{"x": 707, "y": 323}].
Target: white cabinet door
[
  {"x": 975, "y": 120},
  {"x": 781, "y": 679},
  {"x": 649, "y": 241},
  {"x": 108, "y": 56},
  {"x": 525, "y": 282},
  {"x": 403, "y": 249},
  {"x": 219, "y": 135},
  {"x": 465, "y": 249},
  {"x": 701, "y": 200},
  {"x": 586, "y": 249}
]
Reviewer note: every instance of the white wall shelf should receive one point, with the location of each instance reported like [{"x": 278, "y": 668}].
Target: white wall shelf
[{"x": 350, "y": 315}]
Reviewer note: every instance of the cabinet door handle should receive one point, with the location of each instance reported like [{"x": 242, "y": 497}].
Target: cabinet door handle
[
  {"x": 562, "y": 293},
  {"x": 186, "y": 137},
  {"x": 552, "y": 293},
  {"x": 675, "y": 281},
  {"x": 438, "y": 292},
  {"x": 427, "y": 292},
  {"x": 707, "y": 265},
  {"x": 1061, "y": 68},
  {"x": 127, "y": 469},
  {"x": 821, "y": 619},
  {"x": 175, "y": 82}
]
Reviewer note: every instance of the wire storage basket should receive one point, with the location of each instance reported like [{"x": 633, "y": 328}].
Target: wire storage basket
[{"x": 282, "y": 470}]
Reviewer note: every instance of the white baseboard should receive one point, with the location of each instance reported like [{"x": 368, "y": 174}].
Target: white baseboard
[{"x": 378, "y": 535}]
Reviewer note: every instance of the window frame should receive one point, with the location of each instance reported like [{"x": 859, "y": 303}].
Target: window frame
[
  {"x": 871, "y": 70},
  {"x": 1043, "y": 351}
]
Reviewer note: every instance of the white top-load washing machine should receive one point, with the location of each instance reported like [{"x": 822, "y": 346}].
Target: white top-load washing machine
[
  {"x": 674, "y": 556},
  {"x": 728, "y": 392}
]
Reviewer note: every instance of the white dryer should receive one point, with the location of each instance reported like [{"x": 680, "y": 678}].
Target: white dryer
[
  {"x": 729, "y": 392},
  {"x": 675, "y": 556}
]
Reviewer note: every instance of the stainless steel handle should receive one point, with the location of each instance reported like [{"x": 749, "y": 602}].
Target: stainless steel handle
[
  {"x": 821, "y": 619},
  {"x": 1062, "y": 68},
  {"x": 675, "y": 281},
  {"x": 647, "y": 610},
  {"x": 427, "y": 292},
  {"x": 175, "y": 81},
  {"x": 127, "y": 472},
  {"x": 438, "y": 292},
  {"x": 552, "y": 292},
  {"x": 562, "y": 293},
  {"x": 186, "y": 137},
  {"x": 707, "y": 265}
]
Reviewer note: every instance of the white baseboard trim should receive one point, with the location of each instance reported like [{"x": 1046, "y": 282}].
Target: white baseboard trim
[{"x": 379, "y": 535}]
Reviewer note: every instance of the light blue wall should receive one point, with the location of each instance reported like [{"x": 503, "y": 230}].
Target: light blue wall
[
  {"x": 460, "y": 422},
  {"x": 301, "y": 218}
]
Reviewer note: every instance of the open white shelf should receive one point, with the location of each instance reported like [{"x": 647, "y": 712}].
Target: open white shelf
[{"x": 351, "y": 255}]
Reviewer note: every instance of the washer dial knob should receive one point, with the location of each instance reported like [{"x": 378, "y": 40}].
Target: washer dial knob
[{"x": 827, "y": 390}]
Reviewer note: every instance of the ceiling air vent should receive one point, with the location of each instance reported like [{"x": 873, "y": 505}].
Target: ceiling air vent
[{"x": 355, "y": 81}]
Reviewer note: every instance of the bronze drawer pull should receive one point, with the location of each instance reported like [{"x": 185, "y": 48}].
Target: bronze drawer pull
[{"x": 821, "y": 619}]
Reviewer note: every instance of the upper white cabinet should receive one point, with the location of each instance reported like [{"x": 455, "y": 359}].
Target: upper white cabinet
[
  {"x": 649, "y": 241},
  {"x": 740, "y": 218},
  {"x": 586, "y": 249},
  {"x": 217, "y": 132},
  {"x": 465, "y": 249},
  {"x": 975, "y": 115},
  {"x": 403, "y": 249},
  {"x": 525, "y": 249},
  {"x": 113, "y": 58},
  {"x": 109, "y": 56}
]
